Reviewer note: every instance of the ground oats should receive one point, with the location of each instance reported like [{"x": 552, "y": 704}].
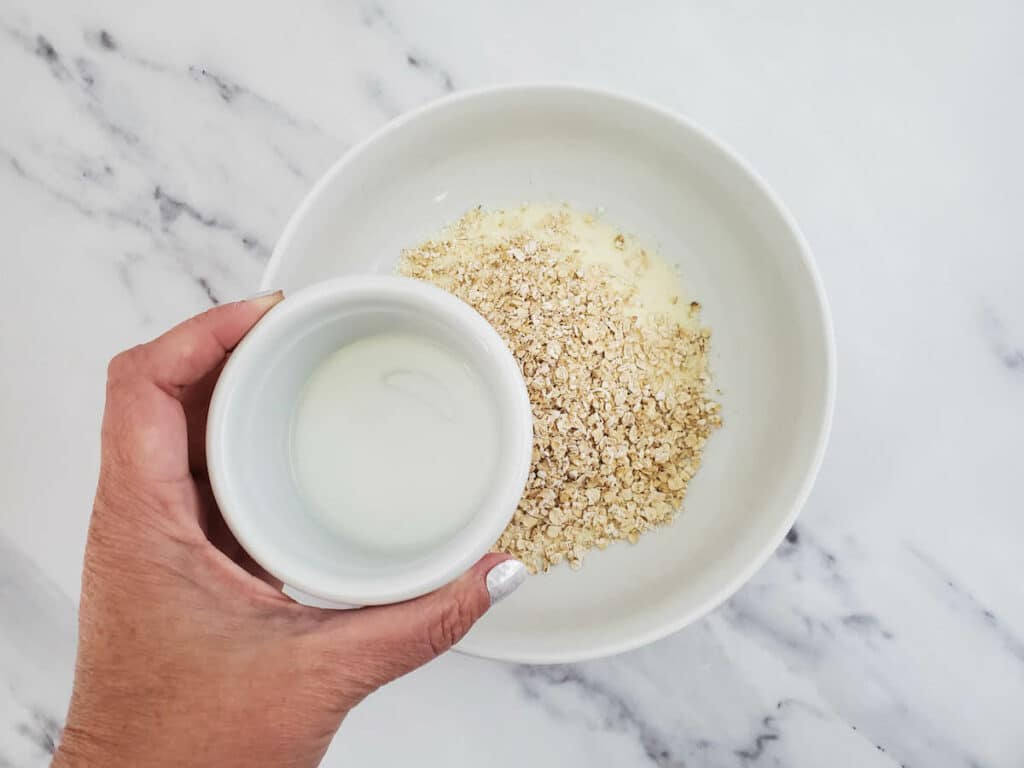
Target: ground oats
[{"x": 619, "y": 394}]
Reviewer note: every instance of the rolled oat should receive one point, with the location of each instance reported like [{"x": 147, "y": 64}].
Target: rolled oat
[{"x": 619, "y": 393}]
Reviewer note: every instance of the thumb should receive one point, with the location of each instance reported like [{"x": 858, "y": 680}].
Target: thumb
[
  {"x": 408, "y": 635},
  {"x": 185, "y": 354}
]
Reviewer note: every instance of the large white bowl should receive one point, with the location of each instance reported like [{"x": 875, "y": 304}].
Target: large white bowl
[{"x": 660, "y": 177}]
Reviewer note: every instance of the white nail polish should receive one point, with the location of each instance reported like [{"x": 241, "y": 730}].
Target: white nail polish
[
  {"x": 262, "y": 294},
  {"x": 504, "y": 578}
]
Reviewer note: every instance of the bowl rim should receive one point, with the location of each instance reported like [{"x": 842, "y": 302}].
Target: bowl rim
[
  {"x": 511, "y": 474},
  {"x": 825, "y": 327}
]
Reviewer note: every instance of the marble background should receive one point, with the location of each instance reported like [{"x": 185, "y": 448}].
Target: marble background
[{"x": 150, "y": 154}]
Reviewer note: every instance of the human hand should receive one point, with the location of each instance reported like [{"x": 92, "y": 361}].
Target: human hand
[{"x": 189, "y": 654}]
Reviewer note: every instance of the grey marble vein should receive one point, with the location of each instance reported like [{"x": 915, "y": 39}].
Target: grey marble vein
[
  {"x": 962, "y": 601},
  {"x": 379, "y": 95},
  {"x": 808, "y": 608},
  {"x": 73, "y": 202},
  {"x": 659, "y": 700},
  {"x": 229, "y": 91},
  {"x": 37, "y": 637},
  {"x": 1009, "y": 353},
  {"x": 42, "y": 730},
  {"x": 615, "y": 711},
  {"x": 423, "y": 64},
  {"x": 107, "y": 187},
  {"x": 136, "y": 222},
  {"x": 40, "y": 46},
  {"x": 171, "y": 207},
  {"x": 762, "y": 741},
  {"x": 79, "y": 85},
  {"x": 374, "y": 15},
  {"x": 106, "y": 40}
]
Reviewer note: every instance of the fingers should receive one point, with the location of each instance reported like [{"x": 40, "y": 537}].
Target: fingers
[
  {"x": 145, "y": 427},
  {"x": 185, "y": 354},
  {"x": 395, "y": 639}
]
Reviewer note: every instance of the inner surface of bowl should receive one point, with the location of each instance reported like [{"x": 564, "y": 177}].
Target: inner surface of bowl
[
  {"x": 251, "y": 422},
  {"x": 657, "y": 177}
]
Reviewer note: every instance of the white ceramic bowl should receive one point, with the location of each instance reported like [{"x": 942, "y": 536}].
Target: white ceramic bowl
[
  {"x": 249, "y": 426},
  {"x": 660, "y": 177}
]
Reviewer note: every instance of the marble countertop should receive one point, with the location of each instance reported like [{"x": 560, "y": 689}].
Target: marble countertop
[{"x": 150, "y": 154}]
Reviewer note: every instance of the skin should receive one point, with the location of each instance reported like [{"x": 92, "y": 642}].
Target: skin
[{"x": 188, "y": 654}]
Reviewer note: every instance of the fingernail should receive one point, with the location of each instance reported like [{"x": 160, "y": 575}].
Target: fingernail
[
  {"x": 504, "y": 578},
  {"x": 267, "y": 298}
]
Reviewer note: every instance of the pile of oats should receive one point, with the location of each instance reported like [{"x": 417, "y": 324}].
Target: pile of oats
[{"x": 620, "y": 404}]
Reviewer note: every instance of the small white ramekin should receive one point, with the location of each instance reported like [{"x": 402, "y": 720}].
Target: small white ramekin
[{"x": 249, "y": 426}]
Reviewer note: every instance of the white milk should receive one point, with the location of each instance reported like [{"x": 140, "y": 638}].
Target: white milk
[
  {"x": 657, "y": 286},
  {"x": 394, "y": 441}
]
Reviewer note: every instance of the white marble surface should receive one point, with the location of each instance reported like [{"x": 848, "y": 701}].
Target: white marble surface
[{"x": 151, "y": 152}]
